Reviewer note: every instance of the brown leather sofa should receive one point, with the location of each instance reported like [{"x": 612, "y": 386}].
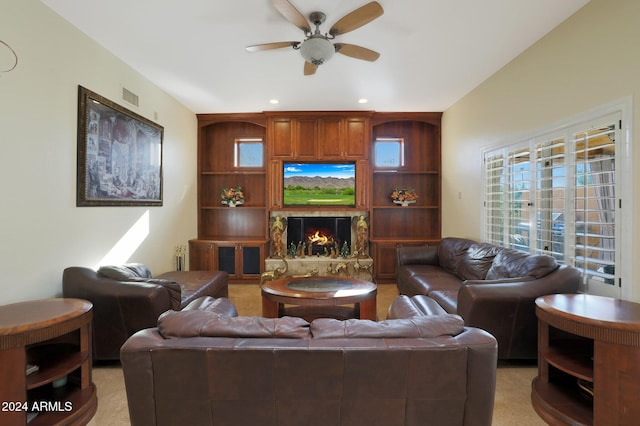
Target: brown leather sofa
[
  {"x": 493, "y": 288},
  {"x": 127, "y": 298},
  {"x": 202, "y": 367}
]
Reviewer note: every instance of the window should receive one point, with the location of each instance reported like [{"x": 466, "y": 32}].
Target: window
[
  {"x": 550, "y": 178},
  {"x": 560, "y": 193},
  {"x": 595, "y": 202},
  {"x": 248, "y": 152},
  {"x": 388, "y": 152}
]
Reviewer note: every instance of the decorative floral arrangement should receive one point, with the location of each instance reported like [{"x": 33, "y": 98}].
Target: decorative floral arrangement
[
  {"x": 232, "y": 196},
  {"x": 404, "y": 196}
]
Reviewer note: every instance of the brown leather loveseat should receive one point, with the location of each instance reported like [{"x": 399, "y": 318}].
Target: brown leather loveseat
[
  {"x": 127, "y": 298},
  {"x": 491, "y": 287},
  {"x": 203, "y": 367}
]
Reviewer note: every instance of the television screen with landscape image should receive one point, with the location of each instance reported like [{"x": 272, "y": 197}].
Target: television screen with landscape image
[{"x": 319, "y": 184}]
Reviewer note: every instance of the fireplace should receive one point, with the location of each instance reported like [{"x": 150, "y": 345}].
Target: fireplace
[
  {"x": 319, "y": 234},
  {"x": 326, "y": 226},
  {"x": 317, "y": 229}
]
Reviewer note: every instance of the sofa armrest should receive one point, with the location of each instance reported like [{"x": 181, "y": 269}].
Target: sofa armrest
[
  {"x": 417, "y": 255},
  {"x": 476, "y": 301},
  {"x": 565, "y": 279},
  {"x": 119, "y": 308},
  {"x": 503, "y": 311},
  {"x": 507, "y": 309}
]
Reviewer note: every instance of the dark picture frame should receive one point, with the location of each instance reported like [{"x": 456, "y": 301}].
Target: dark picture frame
[{"x": 119, "y": 155}]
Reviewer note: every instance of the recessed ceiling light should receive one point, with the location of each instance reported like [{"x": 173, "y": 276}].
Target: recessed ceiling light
[
  {"x": 363, "y": 101},
  {"x": 274, "y": 101}
]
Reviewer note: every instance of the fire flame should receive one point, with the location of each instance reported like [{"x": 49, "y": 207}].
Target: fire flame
[{"x": 319, "y": 239}]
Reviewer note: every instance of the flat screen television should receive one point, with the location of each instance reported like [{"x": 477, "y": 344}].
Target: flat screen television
[{"x": 319, "y": 184}]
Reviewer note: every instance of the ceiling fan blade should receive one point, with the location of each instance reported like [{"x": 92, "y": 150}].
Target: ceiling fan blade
[
  {"x": 357, "y": 18},
  {"x": 309, "y": 68},
  {"x": 270, "y": 46},
  {"x": 292, "y": 14},
  {"x": 357, "y": 52}
]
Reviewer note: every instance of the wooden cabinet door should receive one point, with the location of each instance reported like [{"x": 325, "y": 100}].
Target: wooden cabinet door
[
  {"x": 305, "y": 139},
  {"x": 252, "y": 258},
  {"x": 201, "y": 256},
  {"x": 242, "y": 261},
  {"x": 355, "y": 141},
  {"x": 331, "y": 138},
  {"x": 294, "y": 138},
  {"x": 282, "y": 144},
  {"x": 384, "y": 261},
  {"x": 340, "y": 138}
]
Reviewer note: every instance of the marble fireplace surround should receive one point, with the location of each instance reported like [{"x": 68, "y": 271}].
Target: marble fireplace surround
[{"x": 319, "y": 264}]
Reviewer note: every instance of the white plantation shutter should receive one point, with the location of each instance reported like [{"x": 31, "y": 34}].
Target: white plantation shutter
[
  {"x": 560, "y": 194},
  {"x": 595, "y": 204},
  {"x": 494, "y": 198},
  {"x": 550, "y": 199},
  {"x": 519, "y": 206}
]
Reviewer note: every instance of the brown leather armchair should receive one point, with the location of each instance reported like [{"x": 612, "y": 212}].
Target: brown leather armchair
[{"x": 127, "y": 299}]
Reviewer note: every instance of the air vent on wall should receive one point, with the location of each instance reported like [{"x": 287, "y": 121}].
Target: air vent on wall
[{"x": 130, "y": 97}]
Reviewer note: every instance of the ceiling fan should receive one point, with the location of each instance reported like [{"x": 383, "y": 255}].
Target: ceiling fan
[{"x": 317, "y": 48}]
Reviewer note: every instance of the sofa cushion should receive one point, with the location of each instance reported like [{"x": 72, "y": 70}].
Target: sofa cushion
[
  {"x": 197, "y": 323},
  {"x": 451, "y": 251},
  {"x": 447, "y": 299},
  {"x": 175, "y": 293},
  {"x": 426, "y": 278},
  {"x": 510, "y": 263},
  {"x": 220, "y": 305},
  {"x": 427, "y": 327},
  {"x": 477, "y": 261},
  {"x": 137, "y": 272},
  {"x": 196, "y": 284},
  {"x": 125, "y": 272},
  {"x": 408, "y": 307}
]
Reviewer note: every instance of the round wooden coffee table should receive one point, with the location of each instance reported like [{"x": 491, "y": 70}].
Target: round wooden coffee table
[{"x": 313, "y": 296}]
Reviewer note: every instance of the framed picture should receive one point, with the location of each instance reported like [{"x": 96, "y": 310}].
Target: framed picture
[{"x": 119, "y": 155}]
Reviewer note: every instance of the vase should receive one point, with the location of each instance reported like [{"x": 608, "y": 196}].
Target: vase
[
  {"x": 403, "y": 203},
  {"x": 232, "y": 203}
]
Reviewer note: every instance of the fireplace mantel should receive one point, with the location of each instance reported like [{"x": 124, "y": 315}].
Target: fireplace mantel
[
  {"x": 284, "y": 214},
  {"x": 351, "y": 267},
  {"x": 318, "y": 264}
]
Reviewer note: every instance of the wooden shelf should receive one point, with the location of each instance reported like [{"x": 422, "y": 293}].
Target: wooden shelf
[
  {"x": 54, "y": 334},
  {"x": 604, "y": 350},
  {"x": 55, "y": 361},
  {"x": 574, "y": 357},
  {"x": 561, "y": 402},
  {"x": 79, "y": 400},
  {"x": 420, "y": 222},
  {"x": 217, "y": 170}
]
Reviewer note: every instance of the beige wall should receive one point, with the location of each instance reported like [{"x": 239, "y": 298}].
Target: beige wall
[
  {"x": 41, "y": 229},
  {"x": 591, "y": 59}
]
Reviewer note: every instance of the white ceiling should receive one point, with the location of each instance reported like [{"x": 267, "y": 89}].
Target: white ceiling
[{"x": 433, "y": 52}]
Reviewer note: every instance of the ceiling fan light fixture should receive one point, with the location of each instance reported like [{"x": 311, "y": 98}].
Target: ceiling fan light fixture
[{"x": 317, "y": 50}]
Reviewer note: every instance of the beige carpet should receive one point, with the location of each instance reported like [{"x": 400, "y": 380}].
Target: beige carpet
[{"x": 513, "y": 390}]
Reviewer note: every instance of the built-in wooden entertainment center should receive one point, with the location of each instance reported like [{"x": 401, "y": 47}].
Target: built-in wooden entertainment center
[{"x": 237, "y": 239}]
